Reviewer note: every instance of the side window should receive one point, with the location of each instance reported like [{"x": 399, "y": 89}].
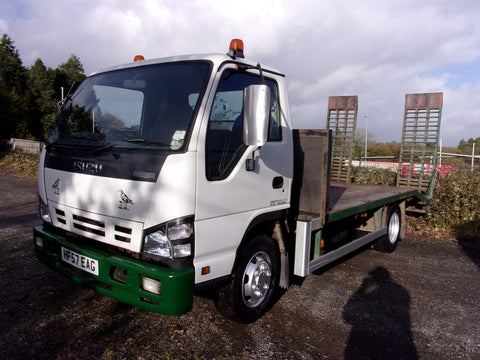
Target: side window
[
  {"x": 225, "y": 145},
  {"x": 275, "y": 133}
]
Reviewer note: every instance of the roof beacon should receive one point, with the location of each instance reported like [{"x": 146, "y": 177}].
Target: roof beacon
[
  {"x": 138, "y": 58},
  {"x": 236, "y": 49}
]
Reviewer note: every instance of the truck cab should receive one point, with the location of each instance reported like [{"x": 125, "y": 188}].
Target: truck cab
[{"x": 154, "y": 180}]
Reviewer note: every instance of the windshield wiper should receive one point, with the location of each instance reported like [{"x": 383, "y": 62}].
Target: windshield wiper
[
  {"x": 137, "y": 141},
  {"x": 147, "y": 142}
]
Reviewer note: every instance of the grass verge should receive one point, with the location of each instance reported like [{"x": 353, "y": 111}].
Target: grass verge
[{"x": 19, "y": 164}]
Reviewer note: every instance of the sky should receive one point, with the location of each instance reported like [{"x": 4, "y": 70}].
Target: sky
[{"x": 376, "y": 49}]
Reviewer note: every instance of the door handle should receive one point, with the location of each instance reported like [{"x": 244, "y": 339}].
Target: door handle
[{"x": 277, "y": 182}]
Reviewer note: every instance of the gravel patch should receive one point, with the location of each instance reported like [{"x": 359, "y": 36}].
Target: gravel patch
[{"x": 421, "y": 302}]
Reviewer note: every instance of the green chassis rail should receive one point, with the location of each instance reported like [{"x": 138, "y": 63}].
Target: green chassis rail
[{"x": 176, "y": 294}]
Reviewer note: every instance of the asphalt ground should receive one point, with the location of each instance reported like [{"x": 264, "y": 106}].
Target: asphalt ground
[{"x": 420, "y": 302}]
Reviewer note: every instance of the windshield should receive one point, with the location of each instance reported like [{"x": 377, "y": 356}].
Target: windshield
[{"x": 148, "y": 106}]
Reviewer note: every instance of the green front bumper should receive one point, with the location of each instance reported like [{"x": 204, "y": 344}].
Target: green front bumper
[{"x": 176, "y": 294}]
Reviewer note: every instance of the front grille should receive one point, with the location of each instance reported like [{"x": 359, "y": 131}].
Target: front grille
[
  {"x": 108, "y": 230},
  {"x": 89, "y": 221},
  {"x": 88, "y": 229},
  {"x": 61, "y": 216},
  {"x": 123, "y": 233},
  {"x": 89, "y": 225}
]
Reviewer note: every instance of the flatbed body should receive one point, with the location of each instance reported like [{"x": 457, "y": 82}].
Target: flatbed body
[
  {"x": 356, "y": 215},
  {"x": 347, "y": 199}
]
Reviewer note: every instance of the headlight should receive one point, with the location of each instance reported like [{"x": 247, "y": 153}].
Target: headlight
[
  {"x": 43, "y": 211},
  {"x": 179, "y": 232},
  {"x": 172, "y": 240},
  {"x": 157, "y": 243}
]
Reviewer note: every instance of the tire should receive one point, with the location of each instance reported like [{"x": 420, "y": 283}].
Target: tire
[
  {"x": 255, "y": 280},
  {"x": 388, "y": 243}
]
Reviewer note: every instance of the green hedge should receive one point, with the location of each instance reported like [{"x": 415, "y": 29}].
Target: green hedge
[{"x": 455, "y": 205}]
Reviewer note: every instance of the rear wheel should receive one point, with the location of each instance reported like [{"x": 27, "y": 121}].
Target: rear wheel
[
  {"x": 389, "y": 242},
  {"x": 255, "y": 279}
]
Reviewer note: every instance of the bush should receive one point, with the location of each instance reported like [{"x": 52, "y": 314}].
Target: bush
[
  {"x": 456, "y": 204},
  {"x": 374, "y": 176}
]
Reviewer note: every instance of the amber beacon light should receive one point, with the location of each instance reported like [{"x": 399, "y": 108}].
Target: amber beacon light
[
  {"x": 236, "y": 49},
  {"x": 138, "y": 58}
]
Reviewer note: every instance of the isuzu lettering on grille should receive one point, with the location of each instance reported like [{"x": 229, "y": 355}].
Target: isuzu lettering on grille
[{"x": 87, "y": 167}]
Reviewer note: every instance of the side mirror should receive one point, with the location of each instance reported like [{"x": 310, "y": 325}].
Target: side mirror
[{"x": 256, "y": 114}]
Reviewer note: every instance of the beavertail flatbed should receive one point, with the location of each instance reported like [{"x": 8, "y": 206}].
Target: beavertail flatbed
[
  {"x": 347, "y": 199},
  {"x": 336, "y": 218},
  {"x": 355, "y": 211}
]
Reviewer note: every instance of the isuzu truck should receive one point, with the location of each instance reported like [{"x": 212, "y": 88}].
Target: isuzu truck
[{"x": 164, "y": 176}]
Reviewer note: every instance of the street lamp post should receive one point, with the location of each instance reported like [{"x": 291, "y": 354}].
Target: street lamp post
[{"x": 366, "y": 136}]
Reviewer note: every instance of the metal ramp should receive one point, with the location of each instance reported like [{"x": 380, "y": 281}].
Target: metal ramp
[
  {"x": 342, "y": 120},
  {"x": 421, "y": 131}
]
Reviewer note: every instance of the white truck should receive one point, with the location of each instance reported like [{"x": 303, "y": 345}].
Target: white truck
[{"x": 163, "y": 176}]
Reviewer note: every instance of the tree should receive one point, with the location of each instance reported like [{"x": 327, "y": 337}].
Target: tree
[
  {"x": 69, "y": 74},
  {"x": 359, "y": 143},
  {"x": 13, "y": 75},
  {"x": 12, "y": 71},
  {"x": 41, "y": 99},
  {"x": 28, "y": 96},
  {"x": 466, "y": 147},
  {"x": 384, "y": 149}
]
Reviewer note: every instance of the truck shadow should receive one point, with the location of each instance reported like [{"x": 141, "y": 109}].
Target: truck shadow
[
  {"x": 379, "y": 313},
  {"x": 472, "y": 250},
  {"x": 470, "y": 244}
]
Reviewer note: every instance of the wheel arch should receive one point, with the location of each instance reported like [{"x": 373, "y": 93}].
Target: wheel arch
[{"x": 270, "y": 224}]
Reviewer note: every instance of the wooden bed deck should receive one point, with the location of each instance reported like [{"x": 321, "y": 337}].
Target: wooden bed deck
[{"x": 346, "y": 199}]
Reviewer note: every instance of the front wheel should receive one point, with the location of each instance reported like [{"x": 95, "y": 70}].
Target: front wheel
[
  {"x": 255, "y": 279},
  {"x": 389, "y": 242}
]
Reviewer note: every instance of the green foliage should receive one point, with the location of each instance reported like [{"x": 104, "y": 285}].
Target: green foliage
[
  {"x": 28, "y": 96},
  {"x": 374, "y": 176},
  {"x": 12, "y": 72},
  {"x": 13, "y": 76},
  {"x": 456, "y": 204},
  {"x": 466, "y": 147},
  {"x": 73, "y": 70},
  {"x": 384, "y": 149},
  {"x": 41, "y": 99}
]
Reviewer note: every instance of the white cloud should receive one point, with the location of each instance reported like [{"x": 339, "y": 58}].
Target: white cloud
[
  {"x": 3, "y": 26},
  {"x": 376, "y": 49}
]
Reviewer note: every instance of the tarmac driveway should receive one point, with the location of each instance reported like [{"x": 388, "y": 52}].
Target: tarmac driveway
[{"x": 421, "y": 302}]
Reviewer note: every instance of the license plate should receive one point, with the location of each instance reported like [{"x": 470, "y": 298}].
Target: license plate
[{"x": 80, "y": 261}]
